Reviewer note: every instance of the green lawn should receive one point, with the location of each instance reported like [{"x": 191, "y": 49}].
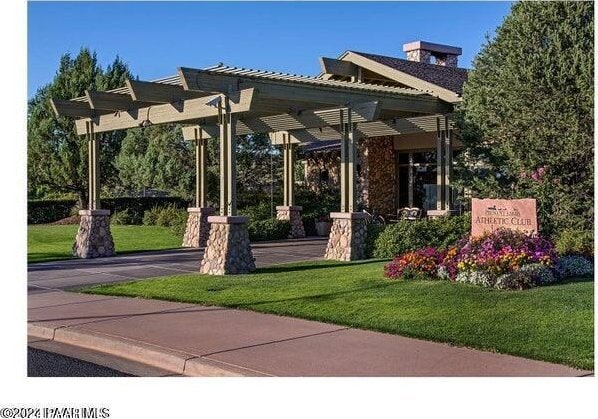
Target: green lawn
[
  {"x": 52, "y": 242},
  {"x": 553, "y": 323}
]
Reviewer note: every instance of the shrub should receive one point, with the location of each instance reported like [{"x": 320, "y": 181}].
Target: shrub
[
  {"x": 568, "y": 266},
  {"x": 122, "y": 218},
  {"x": 575, "y": 242},
  {"x": 373, "y": 232},
  {"x": 48, "y": 211},
  {"x": 150, "y": 216},
  {"x": 261, "y": 211},
  {"x": 405, "y": 236},
  {"x": 269, "y": 229},
  {"x": 541, "y": 274},
  {"x": 480, "y": 278},
  {"x": 517, "y": 280},
  {"x": 419, "y": 264},
  {"x": 170, "y": 216}
]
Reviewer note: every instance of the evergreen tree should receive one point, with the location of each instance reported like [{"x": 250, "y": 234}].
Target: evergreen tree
[
  {"x": 527, "y": 115},
  {"x": 57, "y": 156}
]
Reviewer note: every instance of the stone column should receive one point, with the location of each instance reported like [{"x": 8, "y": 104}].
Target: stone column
[
  {"x": 228, "y": 250},
  {"x": 198, "y": 228},
  {"x": 347, "y": 236},
  {"x": 94, "y": 238},
  {"x": 293, "y": 215}
]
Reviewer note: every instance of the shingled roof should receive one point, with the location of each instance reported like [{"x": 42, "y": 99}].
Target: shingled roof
[{"x": 451, "y": 78}]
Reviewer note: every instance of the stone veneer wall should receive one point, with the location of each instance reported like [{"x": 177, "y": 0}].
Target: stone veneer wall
[
  {"x": 94, "y": 238},
  {"x": 198, "y": 228},
  {"x": 419, "y": 55},
  {"x": 376, "y": 183},
  {"x": 317, "y": 163},
  {"x": 228, "y": 250},
  {"x": 293, "y": 215},
  {"x": 347, "y": 237},
  {"x": 378, "y": 174}
]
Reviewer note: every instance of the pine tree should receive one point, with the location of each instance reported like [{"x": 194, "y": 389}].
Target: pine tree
[
  {"x": 57, "y": 156},
  {"x": 527, "y": 115}
]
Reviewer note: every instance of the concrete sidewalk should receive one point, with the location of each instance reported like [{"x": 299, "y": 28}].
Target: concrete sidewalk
[{"x": 195, "y": 340}]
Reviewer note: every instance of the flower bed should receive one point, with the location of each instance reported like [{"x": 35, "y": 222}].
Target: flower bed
[{"x": 503, "y": 259}]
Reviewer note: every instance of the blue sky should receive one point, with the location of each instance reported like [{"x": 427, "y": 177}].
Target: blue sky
[{"x": 155, "y": 38}]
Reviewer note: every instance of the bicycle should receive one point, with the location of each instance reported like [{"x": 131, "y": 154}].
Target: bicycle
[{"x": 373, "y": 218}]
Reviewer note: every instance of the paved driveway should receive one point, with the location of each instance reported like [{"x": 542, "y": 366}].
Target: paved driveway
[{"x": 82, "y": 272}]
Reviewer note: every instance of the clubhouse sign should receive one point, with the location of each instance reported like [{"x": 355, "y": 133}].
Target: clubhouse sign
[{"x": 492, "y": 214}]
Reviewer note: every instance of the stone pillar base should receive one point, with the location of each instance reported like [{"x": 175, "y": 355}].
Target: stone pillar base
[
  {"x": 228, "y": 250},
  {"x": 347, "y": 236},
  {"x": 293, "y": 215},
  {"x": 198, "y": 228},
  {"x": 94, "y": 239}
]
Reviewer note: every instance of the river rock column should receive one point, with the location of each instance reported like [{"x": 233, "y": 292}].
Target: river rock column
[
  {"x": 228, "y": 250},
  {"x": 293, "y": 215},
  {"x": 94, "y": 238},
  {"x": 347, "y": 236},
  {"x": 198, "y": 228}
]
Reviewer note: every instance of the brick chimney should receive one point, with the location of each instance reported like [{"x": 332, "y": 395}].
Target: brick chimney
[{"x": 423, "y": 52}]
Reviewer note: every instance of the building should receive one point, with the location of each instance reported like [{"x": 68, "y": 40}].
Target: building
[{"x": 412, "y": 169}]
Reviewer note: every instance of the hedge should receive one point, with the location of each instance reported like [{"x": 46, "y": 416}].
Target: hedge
[
  {"x": 406, "y": 236},
  {"x": 48, "y": 211}
]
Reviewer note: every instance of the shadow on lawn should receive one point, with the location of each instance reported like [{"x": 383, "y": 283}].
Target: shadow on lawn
[
  {"x": 315, "y": 298},
  {"x": 292, "y": 267}
]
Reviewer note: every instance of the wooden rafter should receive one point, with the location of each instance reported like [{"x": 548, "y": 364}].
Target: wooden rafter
[
  {"x": 145, "y": 91},
  {"x": 111, "y": 101},
  {"x": 399, "y": 126},
  {"x": 338, "y": 67},
  {"x": 71, "y": 109},
  {"x": 284, "y": 122},
  {"x": 190, "y": 110}
]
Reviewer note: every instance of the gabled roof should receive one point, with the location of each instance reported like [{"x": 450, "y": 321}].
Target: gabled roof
[
  {"x": 443, "y": 82},
  {"x": 450, "y": 78}
]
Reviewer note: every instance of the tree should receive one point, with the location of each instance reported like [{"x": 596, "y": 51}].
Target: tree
[
  {"x": 57, "y": 157},
  {"x": 526, "y": 120},
  {"x": 157, "y": 157}
]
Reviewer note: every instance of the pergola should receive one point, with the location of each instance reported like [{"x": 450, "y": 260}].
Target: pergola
[{"x": 220, "y": 103}]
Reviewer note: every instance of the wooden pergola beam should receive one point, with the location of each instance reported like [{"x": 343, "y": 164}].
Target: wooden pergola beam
[
  {"x": 111, "y": 101},
  {"x": 339, "y": 67},
  {"x": 189, "y": 111},
  {"x": 146, "y": 91},
  {"x": 72, "y": 109}
]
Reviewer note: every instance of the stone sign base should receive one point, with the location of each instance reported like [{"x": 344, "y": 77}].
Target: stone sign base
[
  {"x": 347, "y": 236},
  {"x": 198, "y": 228},
  {"x": 228, "y": 250},
  {"x": 293, "y": 214},
  {"x": 94, "y": 238}
]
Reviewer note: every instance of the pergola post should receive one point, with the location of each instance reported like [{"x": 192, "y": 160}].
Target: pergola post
[
  {"x": 448, "y": 166},
  {"x": 288, "y": 210},
  {"x": 94, "y": 238},
  {"x": 228, "y": 250},
  {"x": 198, "y": 228},
  {"x": 440, "y": 166},
  {"x": 348, "y": 232}
]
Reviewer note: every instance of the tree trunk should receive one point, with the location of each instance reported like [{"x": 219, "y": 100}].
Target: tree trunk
[{"x": 82, "y": 200}]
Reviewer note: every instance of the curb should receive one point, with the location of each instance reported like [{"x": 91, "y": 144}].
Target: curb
[{"x": 167, "y": 359}]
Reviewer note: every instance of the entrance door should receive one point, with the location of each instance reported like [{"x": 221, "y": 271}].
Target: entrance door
[{"x": 416, "y": 174}]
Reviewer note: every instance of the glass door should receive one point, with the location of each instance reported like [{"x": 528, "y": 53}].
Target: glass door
[{"x": 416, "y": 173}]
